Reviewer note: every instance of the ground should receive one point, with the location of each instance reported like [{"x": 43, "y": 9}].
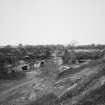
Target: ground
[{"x": 75, "y": 88}]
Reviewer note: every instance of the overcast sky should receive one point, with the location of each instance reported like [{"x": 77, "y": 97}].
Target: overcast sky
[{"x": 52, "y": 21}]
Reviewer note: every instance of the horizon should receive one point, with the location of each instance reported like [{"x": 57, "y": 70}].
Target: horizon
[
  {"x": 65, "y": 45},
  {"x": 47, "y": 22}
]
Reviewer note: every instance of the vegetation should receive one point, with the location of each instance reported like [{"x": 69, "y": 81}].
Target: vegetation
[
  {"x": 90, "y": 46},
  {"x": 88, "y": 55},
  {"x": 96, "y": 97},
  {"x": 49, "y": 99}
]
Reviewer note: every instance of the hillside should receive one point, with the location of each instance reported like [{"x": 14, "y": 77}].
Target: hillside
[{"x": 83, "y": 85}]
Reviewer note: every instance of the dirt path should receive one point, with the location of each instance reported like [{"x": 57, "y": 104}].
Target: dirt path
[{"x": 13, "y": 90}]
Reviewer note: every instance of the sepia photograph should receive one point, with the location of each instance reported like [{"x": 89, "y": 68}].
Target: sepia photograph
[{"x": 52, "y": 52}]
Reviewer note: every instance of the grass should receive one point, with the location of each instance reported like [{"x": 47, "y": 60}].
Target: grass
[
  {"x": 49, "y": 99},
  {"x": 96, "y": 97}
]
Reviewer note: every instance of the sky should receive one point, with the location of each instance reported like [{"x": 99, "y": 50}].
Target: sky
[{"x": 52, "y": 22}]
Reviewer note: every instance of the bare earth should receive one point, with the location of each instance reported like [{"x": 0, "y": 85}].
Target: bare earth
[{"x": 30, "y": 89}]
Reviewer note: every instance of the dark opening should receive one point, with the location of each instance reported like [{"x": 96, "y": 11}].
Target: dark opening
[
  {"x": 42, "y": 63},
  {"x": 24, "y": 68}
]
